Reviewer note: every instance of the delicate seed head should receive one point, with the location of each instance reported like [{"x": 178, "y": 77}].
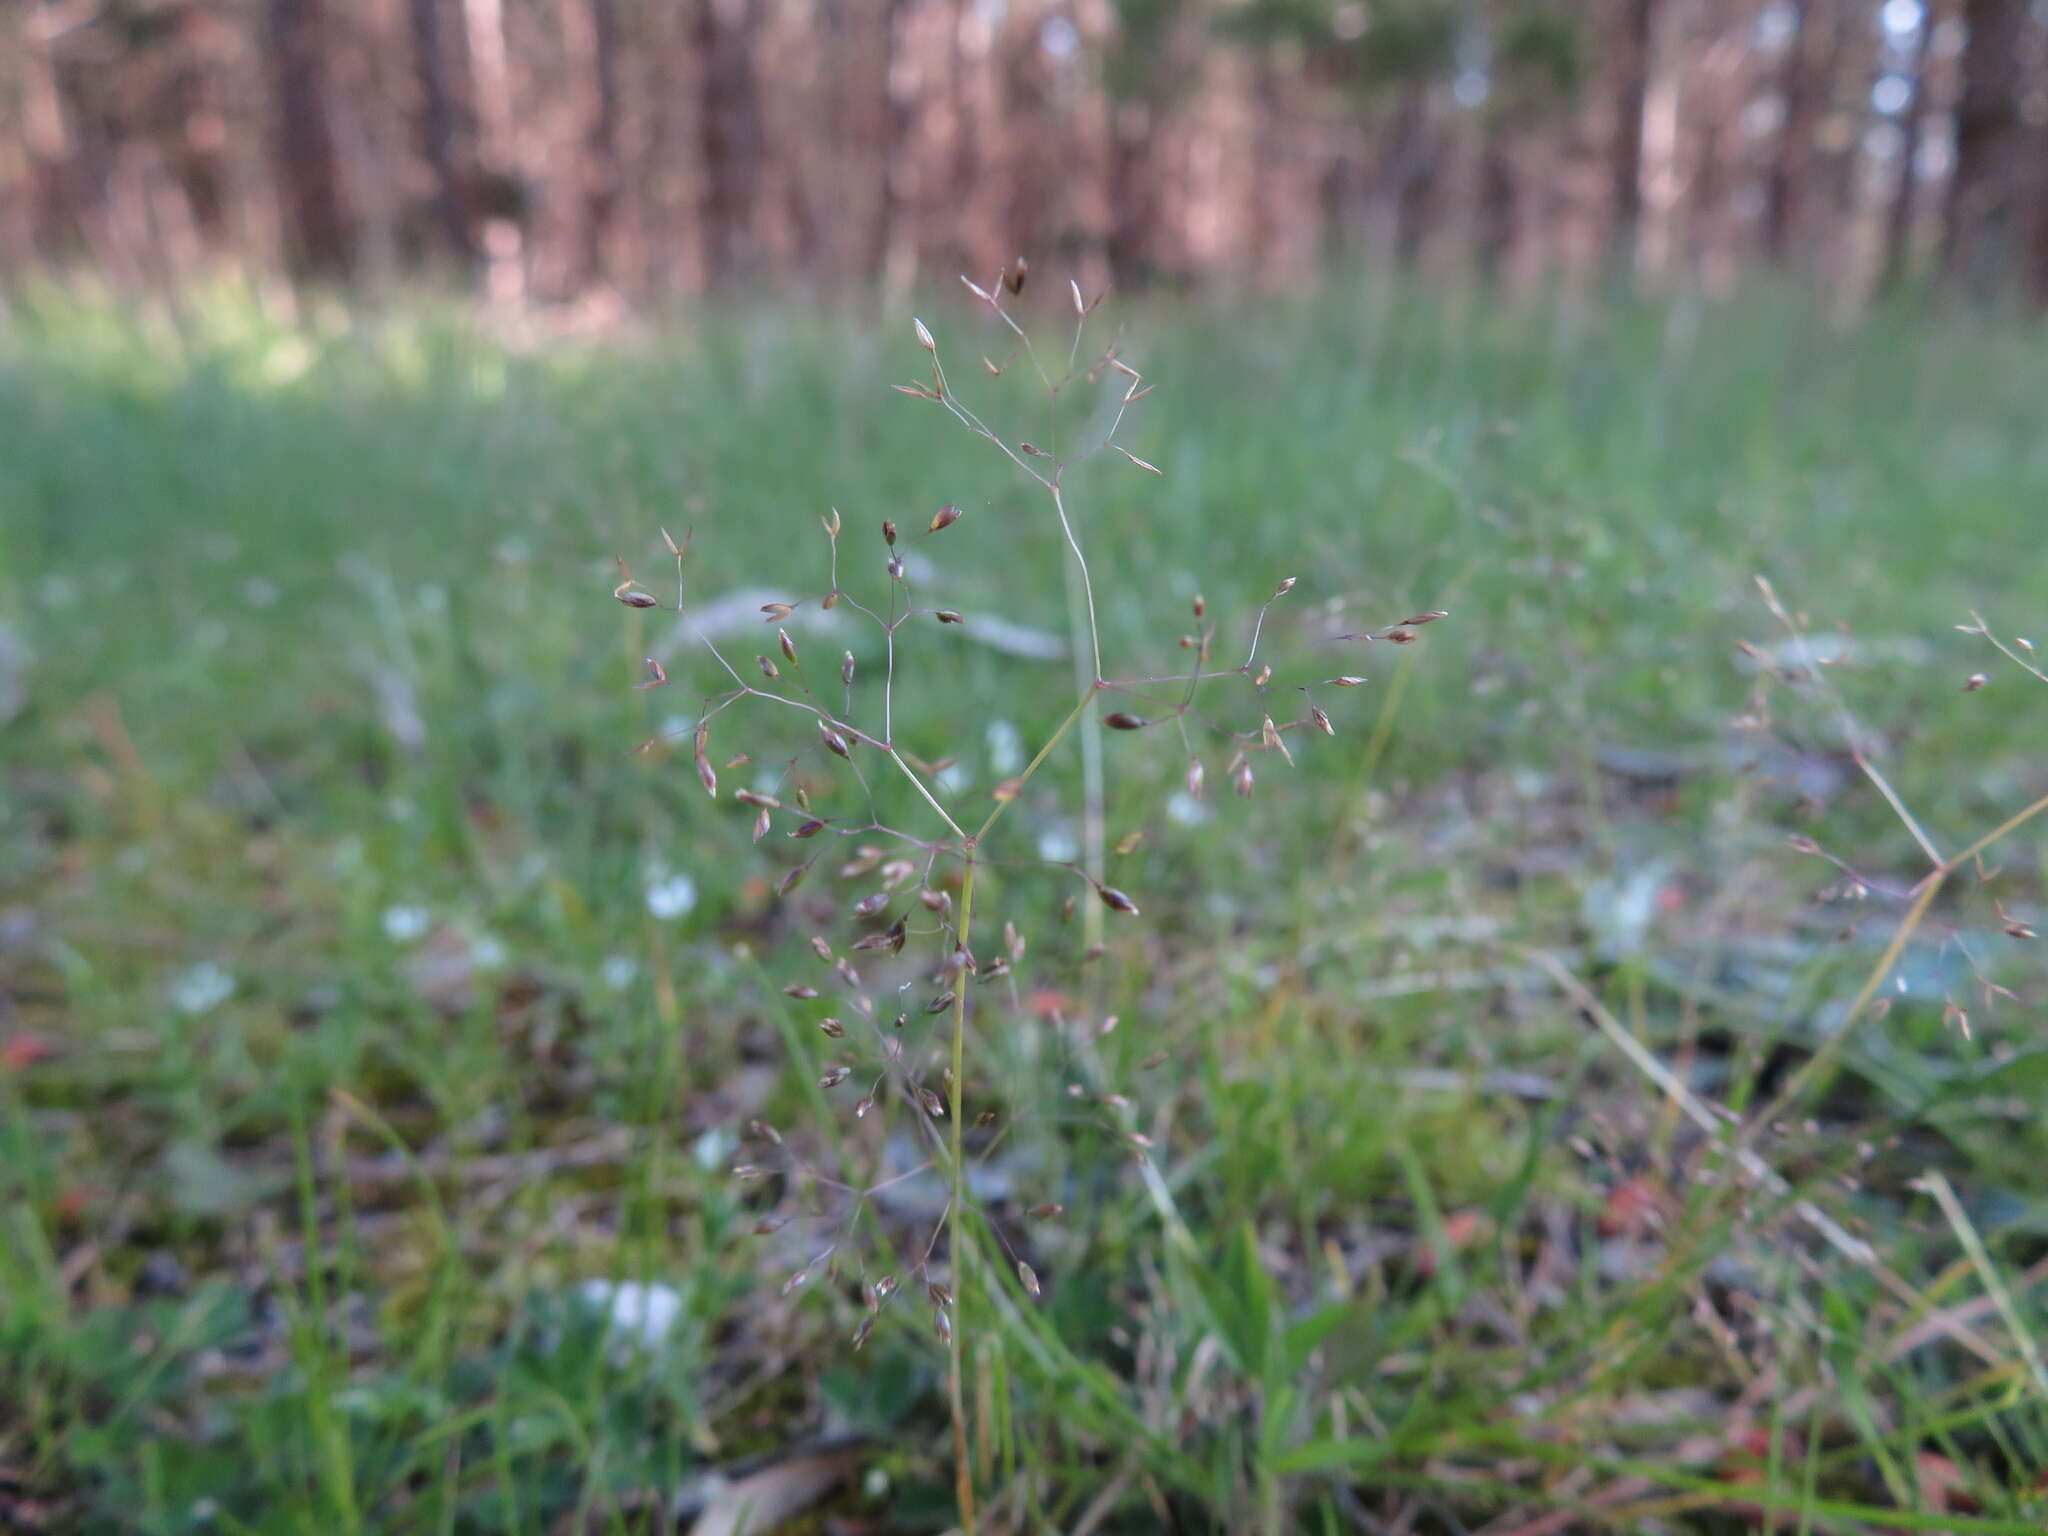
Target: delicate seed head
[
  {"x": 945, "y": 517},
  {"x": 944, "y": 1324},
  {"x": 1265, "y": 676},
  {"x": 1029, "y": 1276},
  {"x": 846, "y": 669},
  {"x": 985, "y": 1119},
  {"x": 800, "y": 992},
  {"x": 948, "y": 616},
  {"x": 834, "y": 1076},
  {"x": 1285, "y": 587},
  {"x": 1975, "y": 681},
  {"x": 834, "y": 742},
  {"x": 793, "y": 879},
  {"x": 1201, "y": 607},
  {"x": 776, "y": 612},
  {"x": 832, "y": 1028},
  {"x": 1346, "y": 681},
  {"x": 940, "y": 1293},
  {"x": 810, "y": 828},
  {"x": 888, "y": 533},
  {"x": 1322, "y": 721},
  {"x": 1241, "y": 781},
  {"x": 634, "y": 598},
  {"x": 706, "y": 776},
  {"x": 1196, "y": 779},
  {"x": 1428, "y": 618},
  {"x": 831, "y": 522},
  {"x": 1120, "y": 720},
  {"x": 942, "y": 1002},
  {"x": 1047, "y": 1211},
  {"x": 895, "y": 568},
  {"x": 860, "y": 1334},
  {"x": 935, "y": 901},
  {"x": 924, "y": 336},
  {"x": 860, "y": 1110},
  {"x": 1116, "y": 900},
  {"x": 1401, "y": 636},
  {"x": 755, "y": 797},
  {"x": 768, "y": 669},
  {"x": 788, "y": 645},
  {"x": 820, "y": 948},
  {"x": 933, "y": 1104},
  {"x": 868, "y": 906}
]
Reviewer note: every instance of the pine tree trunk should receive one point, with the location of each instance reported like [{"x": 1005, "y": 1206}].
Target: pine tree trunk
[
  {"x": 729, "y": 129},
  {"x": 1985, "y": 189},
  {"x": 1632, "y": 41},
  {"x": 437, "y": 126},
  {"x": 317, "y": 241}
]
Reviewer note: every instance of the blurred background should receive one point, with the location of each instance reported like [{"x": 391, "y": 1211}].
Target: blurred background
[
  {"x": 633, "y": 150},
  {"x": 387, "y": 1015}
]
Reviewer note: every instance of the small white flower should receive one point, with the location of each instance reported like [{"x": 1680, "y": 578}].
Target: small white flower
[
  {"x": 201, "y": 989},
  {"x": 1005, "y": 748},
  {"x": 405, "y": 924},
  {"x": 671, "y": 896},
  {"x": 488, "y": 953},
  {"x": 618, "y": 971},
  {"x": 1183, "y": 809}
]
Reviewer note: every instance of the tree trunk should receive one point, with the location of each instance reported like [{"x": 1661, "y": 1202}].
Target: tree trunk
[
  {"x": 315, "y": 215},
  {"x": 1410, "y": 164},
  {"x": 729, "y": 128},
  {"x": 1800, "y": 101},
  {"x": 437, "y": 126},
  {"x": 1899, "y": 215},
  {"x": 1984, "y": 191},
  {"x": 1496, "y": 200},
  {"x": 601, "y": 170},
  {"x": 1632, "y": 42}
]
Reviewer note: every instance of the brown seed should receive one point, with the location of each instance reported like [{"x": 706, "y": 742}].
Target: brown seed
[
  {"x": 657, "y": 675},
  {"x": 933, "y": 1104},
  {"x": 1029, "y": 1276},
  {"x": 1346, "y": 681},
  {"x": 834, "y": 742},
  {"x": 777, "y": 612},
  {"x": 940, "y": 1293},
  {"x": 755, "y": 797},
  {"x": 945, "y": 517},
  {"x": 1116, "y": 900},
  {"x": 636, "y": 599},
  {"x": 820, "y": 948},
  {"x": 935, "y": 901},
  {"x": 705, "y": 776},
  {"x": 832, "y": 1027},
  {"x": 1401, "y": 636},
  {"x": 888, "y": 533},
  {"x": 788, "y": 645},
  {"x": 1014, "y": 276},
  {"x": 810, "y": 828},
  {"x": 944, "y": 1324},
  {"x": 1322, "y": 721},
  {"x": 1196, "y": 778},
  {"x": 799, "y": 991},
  {"x": 985, "y": 1119},
  {"x": 1241, "y": 781},
  {"x": 1285, "y": 587},
  {"x": 1047, "y": 1211},
  {"x": 830, "y": 600},
  {"x": 1033, "y": 451},
  {"x": 1975, "y": 681},
  {"x": 1430, "y": 617},
  {"x": 768, "y": 669},
  {"x": 834, "y": 1076},
  {"x": 868, "y": 906},
  {"x": 1201, "y": 607},
  {"x": 860, "y": 1110},
  {"x": 948, "y": 616},
  {"x": 846, "y": 669},
  {"x": 1119, "y": 720},
  {"x": 1008, "y": 790},
  {"x": 941, "y": 1003},
  {"x": 793, "y": 879},
  {"x": 761, "y": 825}
]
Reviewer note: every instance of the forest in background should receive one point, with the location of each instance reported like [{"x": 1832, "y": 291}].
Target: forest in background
[{"x": 619, "y": 152}]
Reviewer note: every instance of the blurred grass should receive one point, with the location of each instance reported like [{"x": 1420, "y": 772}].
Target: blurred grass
[{"x": 323, "y": 678}]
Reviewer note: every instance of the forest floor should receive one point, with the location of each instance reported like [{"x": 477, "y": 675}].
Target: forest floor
[{"x": 1513, "y": 1116}]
